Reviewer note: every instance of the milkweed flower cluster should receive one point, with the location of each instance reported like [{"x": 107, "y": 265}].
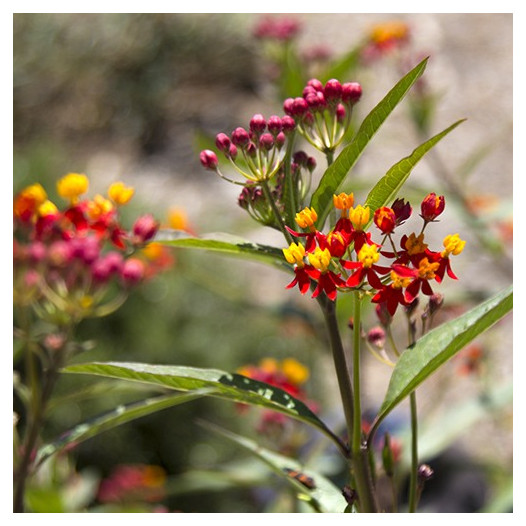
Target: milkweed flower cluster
[
  {"x": 323, "y": 112},
  {"x": 348, "y": 259},
  {"x": 67, "y": 260}
]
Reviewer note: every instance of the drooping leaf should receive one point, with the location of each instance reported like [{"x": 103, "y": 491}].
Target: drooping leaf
[
  {"x": 336, "y": 173},
  {"x": 436, "y": 347},
  {"x": 387, "y": 188},
  {"x": 320, "y": 493},
  {"x": 120, "y": 415},
  {"x": 230, "y": 386},
  {"x": 223, "y": 243}
]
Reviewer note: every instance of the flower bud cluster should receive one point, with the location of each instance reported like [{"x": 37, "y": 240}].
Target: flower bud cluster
[
  {"x": 323, "y": 112},
  {"x": 68, "y": 261},
  {"x": 348, "y": 259}
]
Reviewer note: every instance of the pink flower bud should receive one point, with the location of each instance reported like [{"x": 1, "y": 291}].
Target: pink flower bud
[
  {"x": 133, "y": 271},
  {"x": 86, "y": 249},
  {"x": 103, "y": 268},
  {"x": 316, "y": 84},
  {"x": 300, "y": 107},
  {"x": 257, "y": 124},
  {"x": 288, "y": 106},
  {"x": 240, "y": 137},
  {"x": 274, "y": 125},
  {"x": 288, "y": 124},
  {"x": 316, "y": 100},
  {"x": 232, "y": 151},
  {"x": 341, "y": 112},
  {"x": 60, "y": 253},
  {"x": 144, "y": 228},
  {"x": 266, "y": 141},
  {"x": 351, "y": 92},
  {"x": 376, "y": 337},
  {"x": 208, "y": 159},
  {"x": 311, "y": 164},
  {"x": 222, "y": 142},
  {"x": 332, "y": 90},
  {"x": 280, "y": 140},
  {"x": 36, "y": 251}
]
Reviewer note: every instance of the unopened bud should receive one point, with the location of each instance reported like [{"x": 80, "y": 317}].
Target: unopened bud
[
  {"x": 274, "y": 125},
  {"x": 376, "y": 337},
  {"x": 133, "y": 271},
  {"x": 332, "y": 90},
  {"x": 351, "y": 92},
  {"x": 257, "y": 123},
  {"x": 425, "y": 473},
  {"x": 432, "y": 206},
  {"x": 144, "y": 228},
  {"x": 208, "y": 159},
  {"x": 266, "y": 141},
  {"x": 223, "y": 142},
  {"x": 240, "y": 137}
]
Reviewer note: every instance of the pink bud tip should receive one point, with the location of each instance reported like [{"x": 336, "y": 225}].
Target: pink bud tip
[
  {"x": 351, "y": 92},
  {"x": 208, "y": 159}
]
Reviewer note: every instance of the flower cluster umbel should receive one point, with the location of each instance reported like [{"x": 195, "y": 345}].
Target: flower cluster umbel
[
  {"x": 348, "y": 259},
  {"x": 67, "y": 259}
]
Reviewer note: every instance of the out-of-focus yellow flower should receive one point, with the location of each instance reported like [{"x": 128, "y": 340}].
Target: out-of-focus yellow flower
[
  {"x": 72, "y": 185},
  {"x": 119, "y": 193},
  {"x": 295, "y": 372},
  {"x": 177, "y": 219}
]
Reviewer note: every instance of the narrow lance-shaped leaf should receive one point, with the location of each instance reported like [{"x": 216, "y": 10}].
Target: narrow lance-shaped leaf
[
  {"x": 320, "y": 492},
  {"x": 120, "y": 415},
  {"x": 387, "y": 188},
  {"x": 418, "y": 362},
  {"x": 335, "y": 174},
  {"x": 223, "y": 243},
  {"x": 229, "y": 386}
]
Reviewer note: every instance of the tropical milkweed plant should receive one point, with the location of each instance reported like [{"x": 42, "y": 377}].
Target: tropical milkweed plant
[{"x": 333, "y": 247}]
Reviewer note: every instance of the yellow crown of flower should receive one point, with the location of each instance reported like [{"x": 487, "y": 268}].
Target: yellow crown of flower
[
  {"x": 368, "y": 255},
  {"x": 359, "y": 216},
  {"x": 453, "y": 245},
  {"x": 294, "y": 254},
  {"x": 320, "y": 259},
  {"x": 306, "y": 218},
  {"x": 295, "y": 372}
]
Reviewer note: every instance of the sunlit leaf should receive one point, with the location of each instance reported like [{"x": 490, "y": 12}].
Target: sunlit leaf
[
  {"x": 387, "y": 188},
  {"x": 229, "y": 386},
  {"x": 223, "y": 243},
  {"x": 335, "y": 175},
  {"x": 436, "y": 347}
]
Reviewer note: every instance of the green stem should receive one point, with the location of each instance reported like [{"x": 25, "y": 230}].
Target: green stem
[
  {"x": 276, "y": 212},
  {"x": 359, "y": 451},
  {"x": 413, "y": 480},
  {"x": 340, "y": 361}
]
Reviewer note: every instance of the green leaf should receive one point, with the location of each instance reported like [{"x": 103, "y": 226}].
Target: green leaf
[
  {"x": 228, "y": 386},
  {"x": 422, "y": 359},
  {"x": 223, "y": 243},
  {"x": 324, "y": 497},
  {"x": 387, "y": 188},
  {"x": 119, "y": 415},
  {"x": 334, "y": 175}
]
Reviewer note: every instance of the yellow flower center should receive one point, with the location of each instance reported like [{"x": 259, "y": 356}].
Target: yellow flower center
[
  {"x": 368, "y": 255},
  {"x": 306, "y": 218},
  {"x": 72, "y": 185},
  {"x": 415, "y": 245},
  {"x": 119, "y": 193},
  {"x": 398, "y": 282},
  {"x": 453, "y": 245},
  {"x": 359, "y": 216},
  {"x": 320, "y": 259},
  {"x": 295, "y": 254},
  {"x": 427, "y": 270}
]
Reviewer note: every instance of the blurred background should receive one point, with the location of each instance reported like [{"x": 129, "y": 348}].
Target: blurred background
[{"x": 135, "y": 97}]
